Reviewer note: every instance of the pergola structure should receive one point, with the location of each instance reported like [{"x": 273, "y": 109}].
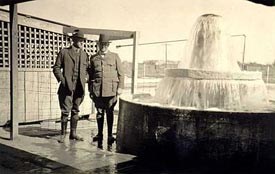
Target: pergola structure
[{"x": 114, "y": 34}]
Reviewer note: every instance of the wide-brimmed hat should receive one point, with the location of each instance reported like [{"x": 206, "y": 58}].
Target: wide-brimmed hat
[
  {"x": 78, "y": 33},
  {"x": 104, "y": 38}
]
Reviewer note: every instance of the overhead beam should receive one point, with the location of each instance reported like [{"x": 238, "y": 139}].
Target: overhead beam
[
  {"x": 10, "y": 2},
  {"x": 264, "y": 2},
  {"x": 34, "y": 22},
  {"x": 114, "y": 34}
]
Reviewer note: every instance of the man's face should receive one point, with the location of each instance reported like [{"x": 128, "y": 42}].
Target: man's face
[
  {"x": 78, "y": 42},
  {"x": 103, "y": 46}
]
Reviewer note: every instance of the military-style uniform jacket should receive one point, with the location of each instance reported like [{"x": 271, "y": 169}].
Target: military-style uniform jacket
[
  {"x": 64, "y": 66},
  {"x": 105, "y": 75}
]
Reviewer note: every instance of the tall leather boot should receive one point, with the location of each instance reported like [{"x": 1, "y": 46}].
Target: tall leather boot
[
  {"x": 110, "y": 121},
  {"x": 73, "y": 135},
  {"x": 100, "y": 123},
  {"x": 99, "y": 142},
  {"x": 63, "y": 131}
]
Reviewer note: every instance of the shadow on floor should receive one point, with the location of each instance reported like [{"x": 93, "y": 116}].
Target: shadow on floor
[
  {"x": 34, "y": 131},
  {"x": 38, "y": 132}
]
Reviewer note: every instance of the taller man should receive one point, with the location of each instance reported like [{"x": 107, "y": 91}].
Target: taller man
[
  {"x": 70, "y": 69},
  {"x": 106, "y": 81}
]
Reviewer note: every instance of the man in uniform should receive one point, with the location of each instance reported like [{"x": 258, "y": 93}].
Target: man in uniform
[
  {"x": 70, "y": 69},
  {"x": 106, "y": 81}
]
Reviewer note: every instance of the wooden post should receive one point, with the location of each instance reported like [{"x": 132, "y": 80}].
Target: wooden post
[
  {"x": 13, "y": 71},
  {"x": 135, "y": 63}
]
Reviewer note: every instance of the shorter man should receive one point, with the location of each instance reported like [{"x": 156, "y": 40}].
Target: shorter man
[
  {"x": 70, "y": 69},
  {"x": 106, "y": 81}
]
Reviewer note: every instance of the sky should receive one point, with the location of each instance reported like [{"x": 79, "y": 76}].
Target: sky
[{"x": 162, "y": 20}]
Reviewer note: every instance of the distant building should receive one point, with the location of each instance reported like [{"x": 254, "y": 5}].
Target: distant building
[
  {"x": 268, "y": 71},
  {"x": 150, "y": 68}
]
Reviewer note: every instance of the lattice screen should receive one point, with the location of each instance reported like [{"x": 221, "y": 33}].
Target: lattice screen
[
  {"x": 4, "y": 45},
  {"x": 37, "y": 86},
  {"x": 37, "y": 48}
]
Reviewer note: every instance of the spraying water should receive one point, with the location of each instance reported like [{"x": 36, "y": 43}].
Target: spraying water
[
  {"x": 208, "y": 46},
  {"x": 209, "y": 77}
]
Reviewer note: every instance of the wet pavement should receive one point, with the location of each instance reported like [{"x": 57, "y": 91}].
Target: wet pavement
[{"x": 36, "y": 150}]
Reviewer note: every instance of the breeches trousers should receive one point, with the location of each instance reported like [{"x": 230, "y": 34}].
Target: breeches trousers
[{"x": 70, "y": 103}]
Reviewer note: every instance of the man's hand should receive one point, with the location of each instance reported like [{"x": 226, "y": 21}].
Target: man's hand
[{"x": 119, "y": 91}]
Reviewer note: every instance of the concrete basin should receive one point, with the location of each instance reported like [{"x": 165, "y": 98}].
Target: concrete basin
[{"x": 186, "y": 134}]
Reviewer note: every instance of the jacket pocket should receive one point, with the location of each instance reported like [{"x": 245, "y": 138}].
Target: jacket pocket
[{"x": 111, "y": 66}]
